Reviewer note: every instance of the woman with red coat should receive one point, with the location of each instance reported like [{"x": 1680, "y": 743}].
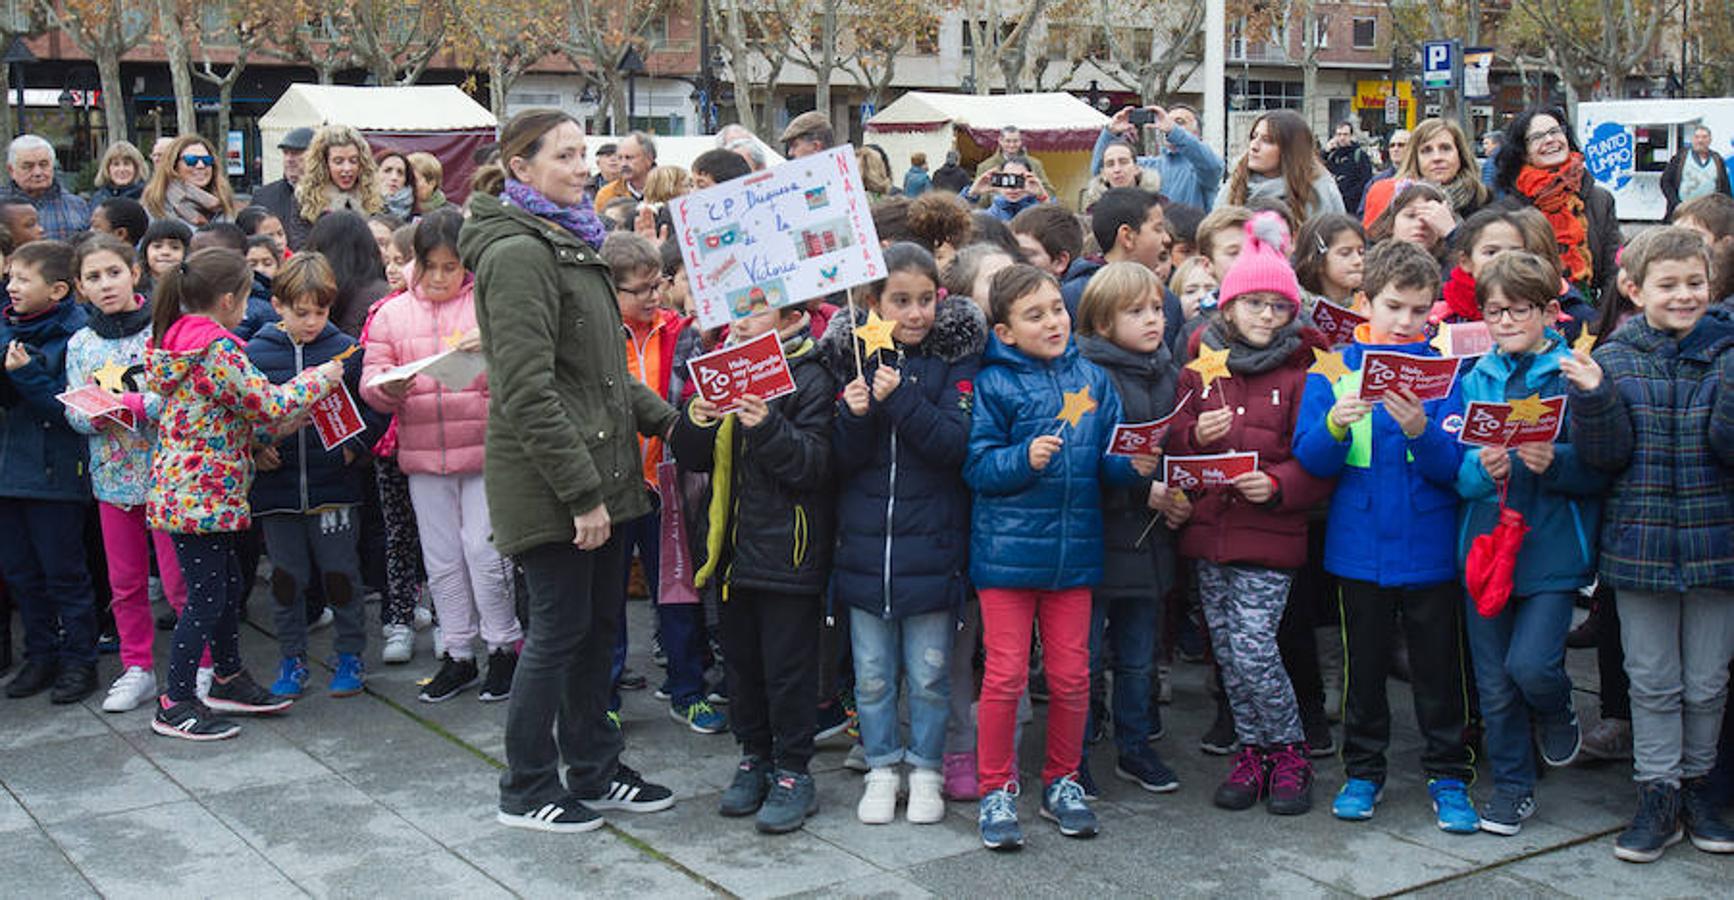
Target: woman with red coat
[{"x": 1249, "y": 536}]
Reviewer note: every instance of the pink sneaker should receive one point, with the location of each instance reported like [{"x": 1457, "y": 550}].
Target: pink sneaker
[{"x": 960, "y": 780}]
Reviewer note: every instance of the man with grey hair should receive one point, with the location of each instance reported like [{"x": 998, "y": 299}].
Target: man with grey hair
[
  {"x": 637, "y": 156},
  {"x": 736, "y": 139},
  {"x": 1696, "y": 171},
  {"x": 30, "y": 162},
  {"x": 1011, "y": 149}
]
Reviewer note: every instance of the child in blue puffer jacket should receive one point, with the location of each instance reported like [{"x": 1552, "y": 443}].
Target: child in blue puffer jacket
[{"x": 1038, "y": 446}]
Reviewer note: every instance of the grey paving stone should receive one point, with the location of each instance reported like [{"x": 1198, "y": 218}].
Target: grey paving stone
[
  {"x": 452, "y": 799},
  {"x": 880, "y": 886},
  {"x": 438, "y": 874},
  {"x": 253, "y": 759},
  {"x": 1591, "y": 870},
  {"x": 314, "y": 826},
  {"x": 1497, "y": 883},
  {"x": 598, "y": 863},
  {"x": 90, "y": 776},
  {"x": 34, "y": 721},
  {"x": 12, "y": 816},
  {"x": 895, "y": 845},
  {"x": 1358, "y": 860},
  {"x": 32, "y": 858},
  {"x": 177, "y": 849}
]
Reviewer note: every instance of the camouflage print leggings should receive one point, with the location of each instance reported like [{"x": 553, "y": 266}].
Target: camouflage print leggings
[
  {"x": 1243, "y": 606},
  {"x": 404, "y": 572}
]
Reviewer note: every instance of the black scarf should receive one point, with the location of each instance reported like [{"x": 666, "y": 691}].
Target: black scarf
[
  {"x": 119, "y": 325},
  {"x": 1245, "y": 359}
]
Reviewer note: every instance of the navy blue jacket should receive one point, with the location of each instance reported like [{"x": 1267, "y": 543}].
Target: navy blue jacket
[
  {"x": 1140, "y": 562},
  {"x": 310, "y": 476},
  {"x": 902, "y": 507},
  {"x": 259, "y": 311},
  {"x": 41, "y": 457}
]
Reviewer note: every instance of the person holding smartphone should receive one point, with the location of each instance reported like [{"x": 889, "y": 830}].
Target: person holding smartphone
[
  {"x": 1012, "y": 187},
  {"x": 1190, "y": 170}
]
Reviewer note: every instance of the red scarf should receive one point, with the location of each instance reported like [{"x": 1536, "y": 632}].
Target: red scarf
[
  {"x": 1556, "y": 193},
  {"x": 1459, "y": 299}
]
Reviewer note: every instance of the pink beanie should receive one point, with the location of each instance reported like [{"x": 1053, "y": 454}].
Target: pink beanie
[{"x": 1263, "y": 263}]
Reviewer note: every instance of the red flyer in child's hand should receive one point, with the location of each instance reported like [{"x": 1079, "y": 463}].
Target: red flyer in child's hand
[
  {"x": 1463, "y": 339},
  {"x": 95, "y": 402},
  {"x": 1190, "y": 473},
  {"x": 755, "y": 367},
  {"x": 1336, "y": 322},
  {"x": 1492, "y": 425},
  {"x": 337, "y": 418},
  {"x": 1429, "y": 377},
  {"x": 1144, "y": 438}
]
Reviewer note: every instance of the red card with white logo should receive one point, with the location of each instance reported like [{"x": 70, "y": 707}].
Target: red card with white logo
[
  {"x": 1191, "y": 473},
  {"x": 1490, "y": 425},
  {"x": 95, "y": 402},
  {"x": 1336, "y": 322},
  {"x": 756, "y": 367},
  {"x": 1429, "y": 377},
  {"x": 1464, "y": 339},
  {"x": 336, "y": 418},
  {"x": 1144, "y": 438}
]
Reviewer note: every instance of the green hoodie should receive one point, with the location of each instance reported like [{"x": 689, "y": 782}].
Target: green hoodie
[{"x": 563, "y": 410}]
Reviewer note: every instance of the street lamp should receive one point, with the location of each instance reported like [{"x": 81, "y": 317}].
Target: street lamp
[{"x": 632, "y": 66}]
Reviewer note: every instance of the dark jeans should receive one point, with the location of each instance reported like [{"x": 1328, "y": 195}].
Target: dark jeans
[
  {"x": 642, "y": 535},
  {"x": 42, "y": 559},
  {"x": 297, "y": 543},
  {"x": 1520, "y": 670},
  {"x": 212, "y": 615},
  {"x": 773, "y": 668},
  {"x": 1432, "y": 624},
  {"x": 1611, "y": 658},
  {"x": 1131, "y": 626},
  {"x": 683, "y": 639},
  {"x": 559, "y": 699}
]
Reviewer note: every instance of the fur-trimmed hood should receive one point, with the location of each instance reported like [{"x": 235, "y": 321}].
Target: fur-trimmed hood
[{"x": 959, "y": 331}]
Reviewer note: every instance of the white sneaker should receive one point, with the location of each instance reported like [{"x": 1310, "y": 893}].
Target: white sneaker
[
  {"x": 135, "y": 686},
  {"x": 202, "y": 682},
  {"x": 439, "y": 643},
  {"x": 878, "y": 804},
  {"x": 926, "y": 804},
  {"x": 399, "y": 644},
  {"x": 324, "y": 620},
  {"x": 423, "y": 618}
]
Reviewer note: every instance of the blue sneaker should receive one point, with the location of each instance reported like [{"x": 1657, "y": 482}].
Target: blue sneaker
[
  {"x": 1063, "y": 804},
  {"x": 350, "y": 677},
  {"x": 1452, "y": 807},
  {"x": 998, "y": 819},
  {"x": 1356, "y": 800},
  {"x": 291, "y": 677},
  {"x": 1560, "y": 742},
  {"x": 699, "y": 716},
  {"x": 1144, "y": 768}
]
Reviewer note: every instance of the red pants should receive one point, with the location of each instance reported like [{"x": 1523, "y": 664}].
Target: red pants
[
  {"x": 128, "y": 543},
  {"x": 1006, "y": 619}
]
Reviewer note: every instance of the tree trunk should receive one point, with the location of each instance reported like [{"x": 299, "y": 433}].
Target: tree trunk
[
  {"x": 497, "y": 88},
  {"x": 621, "y": 115},
  {"x": 225, "y": 114},
  {"x": 180, "y": 66},
  {"x": 113, "y": 98},
  {"x": 6, "y": 120}
]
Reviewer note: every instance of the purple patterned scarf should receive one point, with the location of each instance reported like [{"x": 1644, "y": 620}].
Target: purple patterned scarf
[{"x": 581, "y": 219}]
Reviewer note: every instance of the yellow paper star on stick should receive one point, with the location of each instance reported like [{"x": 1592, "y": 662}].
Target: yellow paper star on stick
[
  {"x": 1586, "y": 341},
  {"x": 110, "y": 376},
  {"x": 1528, "y": 409},
  {"x": 1328, "y": 364},
  {"x": 1210, "y": 364},
  {"x": 1078, "y": 404},
  {"x": 1442, "y": 340},
  {"x": 876, "y": 334}
]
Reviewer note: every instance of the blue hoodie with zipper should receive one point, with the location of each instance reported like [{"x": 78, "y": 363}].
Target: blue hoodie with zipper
[{"x": 310, "y": 477}]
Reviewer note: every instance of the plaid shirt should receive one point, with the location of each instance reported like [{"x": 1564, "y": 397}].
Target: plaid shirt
[
  {"x": 63, "y": 215},
  {"x": 1662, "y": 420}
]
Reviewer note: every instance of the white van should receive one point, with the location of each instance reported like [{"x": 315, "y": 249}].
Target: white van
[{"x": 1628, "y": 143}]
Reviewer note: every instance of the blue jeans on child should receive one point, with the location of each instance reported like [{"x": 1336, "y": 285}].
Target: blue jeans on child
[
  {"x": 886, "y": 652},
  {"x": 1520, "y": 669},
  {"x": 42, "y": 559},
  {"x": 1133, "y": 627},
  {"x": 643, "y": 535}
]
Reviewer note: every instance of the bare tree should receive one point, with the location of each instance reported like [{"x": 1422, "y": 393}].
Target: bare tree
[
  {"x": 750, "y": 36},
  {"x": 880, "y": 31},
  {"x": 506, "y": 38},
  {"x": 597, "y": 36},
  {"x": 105, "y": 30},
  {"x": 1158, "y": 57},
  {"x": 175, "y": 18},
  {"x": 396, "y": 39},
  {"x": 19, "y": 19},
  {"x": 242, "y": 31},
  {"x": 1000, "y": 33}
]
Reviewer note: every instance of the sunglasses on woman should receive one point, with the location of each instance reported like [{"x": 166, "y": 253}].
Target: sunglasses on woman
[{"x": 194, "y": 160}]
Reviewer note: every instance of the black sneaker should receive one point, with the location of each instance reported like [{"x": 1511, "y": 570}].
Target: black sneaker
[
  {"x": 1221, "y": 739},
  {"x": 568, "y": 815},
  {"x": 74, "y": 684},
  {"x": 747, "y": 792},
  {"x": 628, "y": 791},
  {"x": 1317, "y": 729},
  {"x": 833, "y": 720},
  {"x": 631, "y": 681},
  {"x": 1086, "y": 781},
  {"x": 792, "y": 799},
  {"x": 1698, "y": 813},
  {"x": 191, "y": 721},
  {"x": 36, "y": 676},
  {"x": 453, "y": 678},
  {"x": 717, "y": 694},
  {"x": 167, "y": 621},
  {"x": 502, "y": 664},
  {"x": 1144, "y": 768},
  {"x": 241, "y": 694},
  {"x": 1655, "y": 828}
]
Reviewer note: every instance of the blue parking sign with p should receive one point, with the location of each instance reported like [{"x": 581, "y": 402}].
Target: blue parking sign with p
[{"x": 1439, "y": 65}]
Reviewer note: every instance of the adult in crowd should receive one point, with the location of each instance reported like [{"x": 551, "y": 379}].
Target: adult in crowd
[
  {"x": 1281, "y": 163},
  {"x": 1541, "y": 166},
  {"x": 1396, "y": 149},
  {"x": 807, "y": 134},
  {"x": 1349, "y": 164},
  {"x": 279, "y": 196},
  {"x": 30, "y": 163},
  {"x": 637, "y": 156},
  {"x": 1438, "y": 154},
  {"x": 397, "y": 185},
  {"x": 339, "y": 176},
  {"x": 875, "y": 175},
  {"x": 1011, "y": 149},
  {"x": 1004, "y": 203},
  {"x": 607, "y": 168},
  {"x": 1696, "y": 171},
  {"x": 1490, "y": 144},
  {"x": 917, "y": 179},
  {"x": 736, "y": 139},
  {"x": 1119, "y": 168},
  {"x": 1190, "y": 171},
  {"x": 429, "y": 179},
  {"x": 122, "y": 172},
  {"x": 951, "y": 177},
  {"x": 349, "y": 246},
  {"x": 190, "y": 186},
  {"x": 563, "y": 467}
]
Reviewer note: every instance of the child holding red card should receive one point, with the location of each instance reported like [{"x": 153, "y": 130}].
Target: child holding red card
[
  {"x": 1389, "y": 540},
  {"x": 1519, "y": 652},
  {"x": 307, "y": 497},
  {"x": 1249, "y": 539}
]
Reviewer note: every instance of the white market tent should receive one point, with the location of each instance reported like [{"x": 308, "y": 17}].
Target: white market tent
[
  {"x": 440, "y": 119},
  {"x": 1058, "y": 129}
]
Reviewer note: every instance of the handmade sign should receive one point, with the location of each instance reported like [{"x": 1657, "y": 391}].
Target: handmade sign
[
  {"x": 1463, "y": 339},
  {"x": 1190, "y": 473},
  {"x": 1337, "y": 323},
  {"x": 454, "y": 369},
  {"x": 1531, "y": 420},
  {"x": 780, "y": 237},
  {"x": 1429, "y": 377},
  {"x": 1144, "y": 438},
  {"x": 336, "y": 418},
  {"x": 96, "y": 404},
  {"x": 756, "y": 367}
]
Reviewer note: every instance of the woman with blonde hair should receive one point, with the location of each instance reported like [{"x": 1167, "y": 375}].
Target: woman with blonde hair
[
  {"x": 189, "y": 185},
  {"x": 664, "y": 183},
  {"x": 340, "y": 174},
  {"x": 1438, "y": 154},
  {"x": 122, "y": 172},
  {"x": 429, "y": 175}
]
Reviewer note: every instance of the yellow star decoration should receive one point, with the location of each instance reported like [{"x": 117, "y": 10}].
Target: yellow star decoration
[
  {"x": 454, "y": 339},
  {"x": 1078, "y": 404},
  {"x": 110, "y": 376},
  {"x": 1442, "y": 340},
  {"x": 1210, "y": 364},
  {"x": 1529, "y": 410},
  {"x": 1328, "y": 364},
  {"x": 876, "y": 334},
  {"x": 1585, "y": 342}
]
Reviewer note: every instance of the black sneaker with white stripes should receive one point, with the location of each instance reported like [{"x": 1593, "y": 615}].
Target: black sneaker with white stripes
[
  {"x": 564, "y": 816},
  {"x": 191, "y": 721},
  {"x": 628, "y": 791},
  {"x": 241, "y": 694}
]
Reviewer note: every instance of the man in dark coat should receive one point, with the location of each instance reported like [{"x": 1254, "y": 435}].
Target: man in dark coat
[
  {"x": 279, "y": 195},
  {"x": 1696, "y": 171},
  {"x": 1349, "y": 165}
]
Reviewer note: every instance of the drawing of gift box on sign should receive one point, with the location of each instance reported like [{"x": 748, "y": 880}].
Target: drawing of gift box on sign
[
  {"x": 723, "y": 238},
  {"x": 823, "y": 237}
]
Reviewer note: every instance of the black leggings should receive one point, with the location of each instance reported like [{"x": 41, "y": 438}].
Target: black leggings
[{"x": 213, "y": 612}]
